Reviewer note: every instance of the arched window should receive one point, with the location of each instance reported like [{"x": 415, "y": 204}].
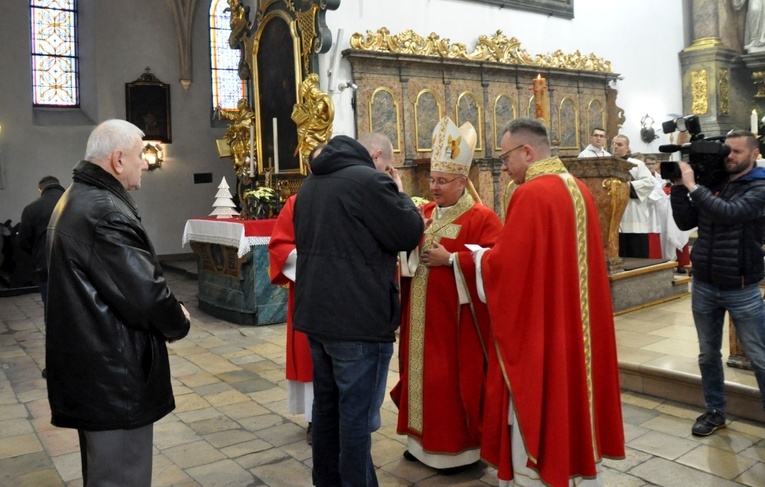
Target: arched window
[
  {"x": 55, "y": 53},
  {"x": 227, "y": 87}
]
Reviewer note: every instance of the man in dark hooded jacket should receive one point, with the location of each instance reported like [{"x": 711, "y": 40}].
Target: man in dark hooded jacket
[
  {"x": 727, "y": 261},
  {"x": 351, "y": 220}
]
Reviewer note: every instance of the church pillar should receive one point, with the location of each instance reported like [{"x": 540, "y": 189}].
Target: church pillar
[{"x": 716, "y": 83}]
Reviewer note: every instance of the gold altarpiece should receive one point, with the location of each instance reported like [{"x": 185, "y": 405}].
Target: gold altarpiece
[
  {"x": 279, "y": 43},
  {"x": 407, "y": 82}
]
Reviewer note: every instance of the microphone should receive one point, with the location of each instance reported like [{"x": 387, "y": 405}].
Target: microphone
[{"x": 668, "y": 148}]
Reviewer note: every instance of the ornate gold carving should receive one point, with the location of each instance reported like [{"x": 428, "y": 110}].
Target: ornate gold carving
[
  {"x": 497, "y": 48},
  {"x": 704, "y": 43},
  {"x": 314, "y": 114},
  {"x": 699, "y": 92},
  {"x": 237, "y": 39},
  {"x": 237, "y": 135},
  {"x": 305, "y": 22},
  {"x": 759, "y": 81},
  {"x": 612, "y": 186},
  {"x": 724, "y": 92}
]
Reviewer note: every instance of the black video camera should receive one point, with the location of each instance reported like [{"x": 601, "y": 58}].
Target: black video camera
[{"x": 705, "y": 155}]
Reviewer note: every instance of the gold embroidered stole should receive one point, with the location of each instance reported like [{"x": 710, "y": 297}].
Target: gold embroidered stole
[{"x": 443, "y": 227}]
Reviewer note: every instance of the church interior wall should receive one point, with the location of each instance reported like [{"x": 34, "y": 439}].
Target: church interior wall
[{"x": 641, "y": 45}]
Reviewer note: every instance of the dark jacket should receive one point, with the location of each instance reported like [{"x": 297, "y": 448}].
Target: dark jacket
[
  {"x": 731, "y": 225},
  {"x": 109, "y": 311},
  {"x": 350, "y": 222},
  {"x": 34, "y": 226}
]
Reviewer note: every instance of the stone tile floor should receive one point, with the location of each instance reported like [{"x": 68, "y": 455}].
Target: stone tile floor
[{"x": 231, "y": 426}]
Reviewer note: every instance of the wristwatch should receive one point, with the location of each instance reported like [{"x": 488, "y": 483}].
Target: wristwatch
[{"x": 450, "y": 262}]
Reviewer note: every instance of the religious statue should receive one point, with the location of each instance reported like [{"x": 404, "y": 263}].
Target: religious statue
[
  {"x": 238, "y": 135},
  {"x": 237, "y": 22},
  {"x": 313, "y": 113},
  {"x": 754, "y": 31}
]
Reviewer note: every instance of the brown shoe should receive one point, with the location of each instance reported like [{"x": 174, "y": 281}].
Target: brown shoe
[{"x": 309, "y": 435}]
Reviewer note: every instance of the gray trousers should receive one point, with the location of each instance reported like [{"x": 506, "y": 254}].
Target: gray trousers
[{"x": 117, "y": 458}]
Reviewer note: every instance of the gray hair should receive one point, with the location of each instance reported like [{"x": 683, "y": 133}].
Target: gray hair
[
  {"x": 531, "y": 129},
  {"x": 377, "y": 141},
  {"x": 109, "y": 136}
]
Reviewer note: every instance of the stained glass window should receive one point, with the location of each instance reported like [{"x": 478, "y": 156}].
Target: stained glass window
[
  {"x": 227, "y": 87},
  {"x": 55, "y": 70}
]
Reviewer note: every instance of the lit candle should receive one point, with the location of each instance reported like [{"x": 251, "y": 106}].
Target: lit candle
[
  {"x": 753, "y": 123},
  {"x": 541, "y": 99},
  {"x": 252, "y": 151},
  {"x": 276, "y": 148}
]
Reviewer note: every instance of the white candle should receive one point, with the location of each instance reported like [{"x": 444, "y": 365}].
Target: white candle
[
  {"x": 276, "y": 148},
  {"x": 753, "y": 123},
  {"x": 252, "y": 151}
]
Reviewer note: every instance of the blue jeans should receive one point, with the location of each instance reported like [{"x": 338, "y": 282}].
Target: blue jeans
[
  {"x": 747, "y": 311},
  {"x": 349, "y": 387}
]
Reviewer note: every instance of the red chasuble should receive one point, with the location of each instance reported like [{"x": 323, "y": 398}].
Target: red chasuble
[
  {"x": 554, "y": 341},
  {"x": 299, "y": 365},
  {"x": 441, "y": 353}
]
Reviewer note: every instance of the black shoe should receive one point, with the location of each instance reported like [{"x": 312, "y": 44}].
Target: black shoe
[
  {"x": 708, "y": 423},
  {"x": 454, "y": 470},
  {"x": 45, "y": 373},
  {"x": 409, "y": 457},
  {"x": 309, "y": 435}
]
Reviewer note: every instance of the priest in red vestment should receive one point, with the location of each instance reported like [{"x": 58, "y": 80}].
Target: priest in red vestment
[
  {"x": 445, "y": 327},
  {"x": 552, "y": 406},
  {"x": 283, "y": 262}
]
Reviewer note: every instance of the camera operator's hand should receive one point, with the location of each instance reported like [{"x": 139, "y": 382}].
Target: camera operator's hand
[{"x": 689, "y": 177}]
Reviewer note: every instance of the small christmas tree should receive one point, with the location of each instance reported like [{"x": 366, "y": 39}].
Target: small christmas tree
[{"x": 223, "y": 206}]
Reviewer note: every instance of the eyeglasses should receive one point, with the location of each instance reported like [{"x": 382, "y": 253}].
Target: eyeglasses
[
  {"x": 442, "y": 181},
  {"x": 503, "y": 156}
]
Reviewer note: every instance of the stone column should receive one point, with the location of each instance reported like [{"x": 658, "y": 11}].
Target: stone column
[{"x": 716, "y": 84}]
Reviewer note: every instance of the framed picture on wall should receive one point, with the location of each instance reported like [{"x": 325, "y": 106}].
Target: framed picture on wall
[
  {"x": 147, "y": 104},
  {"x": 558, "y": 8}
]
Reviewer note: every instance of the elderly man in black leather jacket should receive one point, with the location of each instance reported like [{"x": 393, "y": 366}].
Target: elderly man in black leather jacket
[
  {"x": 728, "y": 266},
  {"x": 111, "y": 313}
]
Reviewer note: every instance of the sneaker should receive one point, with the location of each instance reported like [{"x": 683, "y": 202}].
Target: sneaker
[
  {"x": 708, "y": 423},
  {"x": 309, "y": 435}
]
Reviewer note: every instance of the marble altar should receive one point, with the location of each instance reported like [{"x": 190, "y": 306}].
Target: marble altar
[{"x": 232, "y": 259}]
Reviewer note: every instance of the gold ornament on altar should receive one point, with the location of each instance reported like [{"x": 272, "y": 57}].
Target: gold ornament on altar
[
  {"x": 314, "y": 114},
  {"x": 239, "y": 137},
  {"x": 497, "y": 48}
]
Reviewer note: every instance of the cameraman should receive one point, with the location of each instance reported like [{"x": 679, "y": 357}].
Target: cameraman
[{"x": 727, "y": 266}]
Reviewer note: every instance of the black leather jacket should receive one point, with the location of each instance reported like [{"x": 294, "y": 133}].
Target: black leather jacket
[
  {"x": 731, "y": 226},
  {"x": 109, "y": 311}
]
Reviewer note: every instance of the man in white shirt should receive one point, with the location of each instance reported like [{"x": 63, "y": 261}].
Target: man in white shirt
[
  {"x": 634, "y": 228},
  {"x": 597, "y": 144}
]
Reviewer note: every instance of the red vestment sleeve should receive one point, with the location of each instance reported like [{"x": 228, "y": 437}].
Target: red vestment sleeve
[{"x": 282, "y": 242}]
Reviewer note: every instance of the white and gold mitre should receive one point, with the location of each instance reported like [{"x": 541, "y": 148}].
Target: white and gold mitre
[{"x": 453, "y": 147}]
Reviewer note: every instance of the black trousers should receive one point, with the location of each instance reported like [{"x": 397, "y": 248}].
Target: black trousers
[{"x": 633, "y": 245}]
